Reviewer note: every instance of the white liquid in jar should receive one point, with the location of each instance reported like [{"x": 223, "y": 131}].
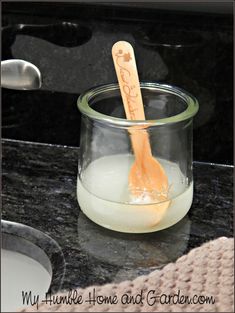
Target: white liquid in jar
[
  {"x": 103, "y": 195},
  {"x": 21, "y": 273}
]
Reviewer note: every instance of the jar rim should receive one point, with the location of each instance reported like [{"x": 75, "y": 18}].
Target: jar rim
[{"x": 189, "y": 112}]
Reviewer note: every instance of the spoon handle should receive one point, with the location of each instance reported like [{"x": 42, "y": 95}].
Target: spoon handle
[
  {"x": 127, "y": 74},
  {"x": 128, "y": 79}
]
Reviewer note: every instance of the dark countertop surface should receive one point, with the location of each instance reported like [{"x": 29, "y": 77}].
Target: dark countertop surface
[{"x": 39, "y": 190}]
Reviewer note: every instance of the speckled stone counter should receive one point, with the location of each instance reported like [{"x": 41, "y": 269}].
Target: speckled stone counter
[{"x": 39, "y": 190}]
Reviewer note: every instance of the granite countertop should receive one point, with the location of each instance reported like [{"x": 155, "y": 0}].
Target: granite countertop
[{"x": 39, "y": 190}]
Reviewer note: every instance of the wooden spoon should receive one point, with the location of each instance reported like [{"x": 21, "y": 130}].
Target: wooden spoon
[{"x": 148, "y": 182}]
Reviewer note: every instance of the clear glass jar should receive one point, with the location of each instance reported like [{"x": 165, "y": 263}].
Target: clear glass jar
[{"x": 106, "y": 156}]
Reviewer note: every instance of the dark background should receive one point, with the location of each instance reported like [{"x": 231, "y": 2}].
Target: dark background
[{"x": 71, "y": 45}]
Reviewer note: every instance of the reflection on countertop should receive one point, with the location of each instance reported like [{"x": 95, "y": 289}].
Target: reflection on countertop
[{"x": 39, "y": 190}]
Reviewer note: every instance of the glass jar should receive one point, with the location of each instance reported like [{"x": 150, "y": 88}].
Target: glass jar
[{"x": 106, "y": 156}]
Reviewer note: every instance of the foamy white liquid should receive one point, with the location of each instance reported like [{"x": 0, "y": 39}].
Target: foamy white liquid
[
  {"x": 104, "y": 197},
  {"x": 20, "y": 273}
]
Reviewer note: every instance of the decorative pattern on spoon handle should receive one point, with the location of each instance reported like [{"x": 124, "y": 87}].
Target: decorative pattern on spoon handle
[{"x": 125, "y": 66}]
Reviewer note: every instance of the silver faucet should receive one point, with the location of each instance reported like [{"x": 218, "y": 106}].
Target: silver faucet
[{"x": 20, "y": 75}]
